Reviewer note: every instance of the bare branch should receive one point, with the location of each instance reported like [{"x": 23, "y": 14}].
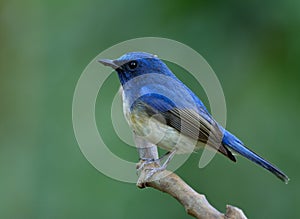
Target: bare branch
[{"x": 194, "y": 203}]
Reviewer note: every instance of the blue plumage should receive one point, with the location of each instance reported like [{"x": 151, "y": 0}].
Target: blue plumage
[{"x": 151, "y": 90}]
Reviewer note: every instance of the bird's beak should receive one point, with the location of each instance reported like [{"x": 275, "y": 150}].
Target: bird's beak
[{"x": 109, "y": 62}]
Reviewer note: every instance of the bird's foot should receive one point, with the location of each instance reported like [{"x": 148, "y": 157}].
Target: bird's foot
[
  {"x": 150, "y": 173},
  {"x": 146, "y": 162},
  {"x": 156, "y": 162},
  {"x": 147, "y": 168}
]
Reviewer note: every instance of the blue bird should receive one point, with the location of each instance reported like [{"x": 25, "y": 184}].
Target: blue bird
[{"x": 159, "y": 107}]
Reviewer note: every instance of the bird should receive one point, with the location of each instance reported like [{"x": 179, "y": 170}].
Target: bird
[{"x": 164, "y": 111}]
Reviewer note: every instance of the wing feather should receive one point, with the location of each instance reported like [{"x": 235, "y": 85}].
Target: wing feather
[{"x": 189, "y": 122}]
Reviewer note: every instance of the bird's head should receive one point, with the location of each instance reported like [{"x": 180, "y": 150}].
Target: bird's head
[{"x": 135, "y": 64}]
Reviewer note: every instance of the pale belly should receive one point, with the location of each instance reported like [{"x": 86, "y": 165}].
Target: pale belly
[{"x": 161, "y": 134}]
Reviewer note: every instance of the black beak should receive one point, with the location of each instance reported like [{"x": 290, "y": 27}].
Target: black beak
[{"x": 109, "y": 62}]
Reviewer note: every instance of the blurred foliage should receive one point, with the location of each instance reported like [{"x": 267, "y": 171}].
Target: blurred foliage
[{"x": 254, "y": 48}]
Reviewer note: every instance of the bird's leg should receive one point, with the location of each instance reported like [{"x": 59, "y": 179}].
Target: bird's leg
[
  {"x": 151, "y": 171},
  {"x": 166, "y": 154},
  {"x": 169, "y": 155},
  {"x": 146, "y": 161}
]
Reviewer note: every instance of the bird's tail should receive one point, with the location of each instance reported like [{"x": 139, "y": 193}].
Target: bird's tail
[{"x": 235, "y": 144}]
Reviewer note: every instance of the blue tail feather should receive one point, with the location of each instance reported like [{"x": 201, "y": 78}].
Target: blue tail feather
[{"x": 236, "y": 145}]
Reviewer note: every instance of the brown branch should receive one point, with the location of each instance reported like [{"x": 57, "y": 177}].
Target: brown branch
[{"x": 194, "y": 203}]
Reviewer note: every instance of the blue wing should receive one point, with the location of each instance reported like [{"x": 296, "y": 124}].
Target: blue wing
[
  {"x": 188, "y": 122},
  {"x": 200, "y": 125}
]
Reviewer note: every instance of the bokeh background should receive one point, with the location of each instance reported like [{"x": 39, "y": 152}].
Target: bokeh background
[{"x": 254, "y": 48}]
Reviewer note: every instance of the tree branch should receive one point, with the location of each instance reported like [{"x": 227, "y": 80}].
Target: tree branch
[{"x": 194, "y": 203}]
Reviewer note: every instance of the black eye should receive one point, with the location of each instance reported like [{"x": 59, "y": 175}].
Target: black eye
[{"x": 132, "y": 65}]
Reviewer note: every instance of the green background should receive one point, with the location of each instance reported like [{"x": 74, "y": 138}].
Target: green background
[{"x": 254, "y": 48}]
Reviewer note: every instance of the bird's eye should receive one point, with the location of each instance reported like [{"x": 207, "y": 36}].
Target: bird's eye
[{"x": 132, "y": 65}]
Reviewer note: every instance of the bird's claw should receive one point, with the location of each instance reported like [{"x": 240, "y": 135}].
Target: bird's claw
[
  {"x": 147, "y": 175},
  {"x": 151, "y": 171},
  {"x": 148, "y": 167},
  {"x": 145, "y": 161}
]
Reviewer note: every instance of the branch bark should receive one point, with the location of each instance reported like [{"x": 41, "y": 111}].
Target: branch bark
[{"x": 194, "y": 203}]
